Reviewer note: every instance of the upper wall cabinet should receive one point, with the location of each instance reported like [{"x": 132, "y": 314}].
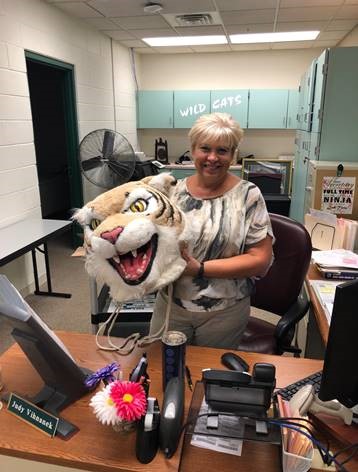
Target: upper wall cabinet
[
  {"x": 292, "y": 109},
  {"x": 234, "y": 102},
  {"x": 155, "y": 109},
  {"x": 189, "y": 105},
  {"x": 268, "y": 108}
]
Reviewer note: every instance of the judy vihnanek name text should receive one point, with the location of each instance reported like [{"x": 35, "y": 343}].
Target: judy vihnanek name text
[{"x": 31, "y": 414}]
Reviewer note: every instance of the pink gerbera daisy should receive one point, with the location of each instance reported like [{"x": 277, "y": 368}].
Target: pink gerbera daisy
[{"x": 129, "y": 399}]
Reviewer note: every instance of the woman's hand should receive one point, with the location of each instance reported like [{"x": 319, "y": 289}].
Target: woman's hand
[{"x": 192, "y": 266}]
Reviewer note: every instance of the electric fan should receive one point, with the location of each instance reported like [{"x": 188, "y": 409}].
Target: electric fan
[{"x": 107, "y": 158}]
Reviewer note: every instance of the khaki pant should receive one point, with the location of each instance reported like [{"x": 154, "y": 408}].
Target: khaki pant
[{"x": 221, "y": 329}]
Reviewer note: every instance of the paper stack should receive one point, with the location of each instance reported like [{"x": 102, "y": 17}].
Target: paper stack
[
  {"x": 329, "y": 232},
  {"x": 336, "y": 264}
]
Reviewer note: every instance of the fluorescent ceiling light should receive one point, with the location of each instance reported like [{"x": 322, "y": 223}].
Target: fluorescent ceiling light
[
  {"x": 273, "y": 37},
  {"x": 186, "y": 40}
]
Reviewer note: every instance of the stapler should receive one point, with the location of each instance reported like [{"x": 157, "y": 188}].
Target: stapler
[{"x": 172, "y": 416}]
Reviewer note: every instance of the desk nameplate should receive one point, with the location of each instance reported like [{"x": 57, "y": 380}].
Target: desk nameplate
[{"x": 32, "y": 415}]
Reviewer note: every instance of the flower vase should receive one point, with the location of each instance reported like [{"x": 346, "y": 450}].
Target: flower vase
[{"x": 125, "y": 427}]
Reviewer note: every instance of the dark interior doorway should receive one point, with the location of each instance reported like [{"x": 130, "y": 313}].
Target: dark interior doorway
[{"x": 51, "y": 86}]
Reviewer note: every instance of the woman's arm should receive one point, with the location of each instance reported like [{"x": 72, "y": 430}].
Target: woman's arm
[{"x": 254, "y": 262}]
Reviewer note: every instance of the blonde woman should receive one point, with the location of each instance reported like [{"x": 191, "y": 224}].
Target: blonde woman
[{"x": 211, "y": 300}]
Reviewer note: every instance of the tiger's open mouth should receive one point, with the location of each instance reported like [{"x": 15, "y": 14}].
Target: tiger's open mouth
[{"x": 135, "y": 266}]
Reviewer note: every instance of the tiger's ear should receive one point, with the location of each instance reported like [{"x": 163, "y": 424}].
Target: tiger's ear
[{"x": 163, "y": 182}]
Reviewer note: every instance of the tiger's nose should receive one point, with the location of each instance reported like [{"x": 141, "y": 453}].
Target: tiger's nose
[{"x": 112, "y": 236}]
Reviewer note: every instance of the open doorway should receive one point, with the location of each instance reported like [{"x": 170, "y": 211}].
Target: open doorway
[{"x": 51, "y": 85}]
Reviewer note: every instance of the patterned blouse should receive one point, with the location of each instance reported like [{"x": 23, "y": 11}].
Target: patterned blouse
[{"x": 226, "y": 225}]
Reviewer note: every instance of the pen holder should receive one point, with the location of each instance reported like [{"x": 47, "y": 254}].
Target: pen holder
[{"x": 294, "y": 462}]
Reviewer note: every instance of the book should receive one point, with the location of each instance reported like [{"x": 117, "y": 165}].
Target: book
[
  {"x": 338, "y": 274},
  {"x": 325, "y": 292}
]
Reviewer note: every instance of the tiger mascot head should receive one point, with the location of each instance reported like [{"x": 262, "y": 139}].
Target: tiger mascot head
[{"x": 133, "y": 237}]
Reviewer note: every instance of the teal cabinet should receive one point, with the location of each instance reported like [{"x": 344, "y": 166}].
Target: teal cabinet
[
  {"x": 189, "y": 105},
  {"x": 308, "y": 95},
  {"x": 300, "y": 174},
  {"x": 155, "y": 109},
  {"x": 234, "y": 102},
  {"x": 332, "y": 117},
  {"x": 267, "y": 109},
  {"x": 292, "y": 109},
  {"x": 317, "y": 105}
]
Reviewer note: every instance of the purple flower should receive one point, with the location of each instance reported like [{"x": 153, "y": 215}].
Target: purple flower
[{"x": 106, "y": 374}]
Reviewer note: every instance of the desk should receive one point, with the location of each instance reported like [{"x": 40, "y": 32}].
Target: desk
[
  {"x": 317, "y": 332},
  {"x": 98, "y": 448},
  {"x": 27, "y": 235}
]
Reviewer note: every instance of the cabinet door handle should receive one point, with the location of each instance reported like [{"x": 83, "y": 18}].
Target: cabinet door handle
[{"x": 284, "y": 122}]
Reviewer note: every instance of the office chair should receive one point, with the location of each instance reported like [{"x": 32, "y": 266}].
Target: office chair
[{"x": 281, "y": 290}]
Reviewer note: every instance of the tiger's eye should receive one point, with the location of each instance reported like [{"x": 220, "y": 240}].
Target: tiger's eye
[
  {"x": 139, "y": 206},
  {"x": 94, "y": 223}
]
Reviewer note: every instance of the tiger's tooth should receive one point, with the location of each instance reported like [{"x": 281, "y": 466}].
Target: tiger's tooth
[
  {"x": 116, "y": 259},
  {"x": 134, "y": 252},
  {"x": 145, "y": 257}
]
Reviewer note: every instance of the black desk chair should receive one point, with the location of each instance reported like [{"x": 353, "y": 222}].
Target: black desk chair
[{"x": 281, "y": 290}]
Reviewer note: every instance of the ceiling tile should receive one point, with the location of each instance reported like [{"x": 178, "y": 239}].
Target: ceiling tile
[
  {"x": 292, "y": 45},
  {"x": 309, "y": 3},
  {"x": 347, "y": 12},
  {"x": 115, "y": 8},
  {"x": 242, "y": 29},
  {"x": 248, "y": 16},
  {"x": 186, "y": 6},
  {"x": 133, "y": 43},
  {"x": 119, "y": 35},
  {"x": 301, "y": 26},
  {"x": 250, "y": 47},
  {"x": 200, "y": 30},
  {"x": 101, "y": 23},
  {"x": 306, "y": 14},
  {"x": 232, "y": 5},
  {"x": 137, "y": 22},
  {"x": 59, "y": 1},
  {"x": 79, "y": 10},
  {"x": 337, "y": 25},
  {"x": 153, "y": 33},
  {"x": 331, "y": 35}
]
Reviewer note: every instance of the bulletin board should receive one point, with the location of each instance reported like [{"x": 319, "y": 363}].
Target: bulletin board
[{"x": 338, "y": 195}]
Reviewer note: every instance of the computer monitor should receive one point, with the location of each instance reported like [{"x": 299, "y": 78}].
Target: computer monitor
[
  {"x": 340, "y": 372},
  {"x": 64, "y": 380}
]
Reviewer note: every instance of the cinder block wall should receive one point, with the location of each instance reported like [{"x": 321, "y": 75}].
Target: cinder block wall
[{"x": 105, "y": 99}]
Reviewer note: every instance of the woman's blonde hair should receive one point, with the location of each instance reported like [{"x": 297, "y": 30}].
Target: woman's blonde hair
[{"x": 216, "y": 127}]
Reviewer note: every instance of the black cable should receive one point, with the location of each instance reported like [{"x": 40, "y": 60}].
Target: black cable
[{"x": 350, "y": 457}]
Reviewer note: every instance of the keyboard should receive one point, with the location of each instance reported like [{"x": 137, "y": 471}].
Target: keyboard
[{"x": 288, "y": 392}]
